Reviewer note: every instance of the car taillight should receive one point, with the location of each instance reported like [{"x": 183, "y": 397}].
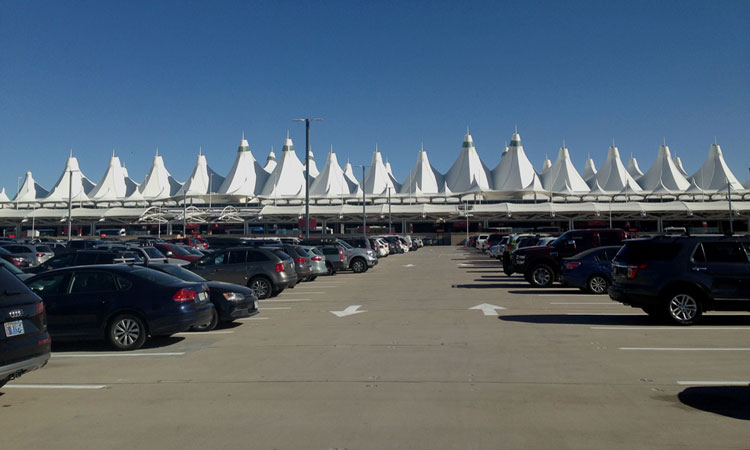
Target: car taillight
[
  {"x": 39, "y": 308},
  {"x": 184, "y": 295},
  {"x": 44, "y": 341},
  {"x": 279, "y": 267},
  {"x": 632, "y": 270},
  {"x": 300, "y": 260},
  {"x": 341, "y": 255},
  {"x": 40, "y": 255},
  {"x": 572, "y": 265},
  {"x": 317, "y": 258}
]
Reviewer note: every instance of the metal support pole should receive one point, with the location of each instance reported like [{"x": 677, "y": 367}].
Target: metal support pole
[
  {"x": 390, "y": 218},
  {"x": 307, "y": 178},
  {"x": 731, "y": 213},
  {"x": 184, "y": 213},
  {"x": 70, "y": 205},
  {"x": 364, "y": 210}
]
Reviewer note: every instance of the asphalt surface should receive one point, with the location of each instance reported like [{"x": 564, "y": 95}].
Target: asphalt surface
[{"x": 418, "y": 369}]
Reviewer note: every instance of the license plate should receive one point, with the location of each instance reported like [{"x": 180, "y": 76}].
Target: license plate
[
  {"x": 14, "y": 328},
  {"x": 256, "y": 304},
  {"x": 202, "y": 296}
]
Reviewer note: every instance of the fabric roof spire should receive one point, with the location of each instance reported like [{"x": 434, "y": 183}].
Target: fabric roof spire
[
  {"x": 468, "y": 172},
  {"x": 678, "y": 164},
  {"x": 159, "y": 183},
  {"x": 288, "y": 177},
  {"x": 81, "y": 185},
  {"x": 633, "y": 169},
  {"x": 270, "y": 162},
  {"x": 515, "y": 171},
  {"x": 202, "y": 180},
  {"x": 663, "y": 171},
  {"x": 30, "y": 191},
  {"x": 715, "y": 174},
  {"x": 589, "y": 172},
  {"x": 112, "y": 186},
  {"x": 331, "y": 182},
  {"x": 563, "y": 176},
  {"x": 377, "y": 179},
  {"x": 613, "y": 177},
  {"x": 423, "y": 178},
  {"x": 246, "y": 177},
  {"x": 314, "y": 172}
]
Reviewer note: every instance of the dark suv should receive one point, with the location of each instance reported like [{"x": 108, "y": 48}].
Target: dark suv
[
  {"x": 541, "y": 265},
  {"x": 679, "y": 278},
  {"x": 267, "y": 272},
  {"x": 24, "y": 342},
  {"x": 88, "y": 258}
]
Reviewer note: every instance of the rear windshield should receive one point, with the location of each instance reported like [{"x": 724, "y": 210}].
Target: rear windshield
[
  {"x": 182, "y": 274},
  {"x": 153, "y": 252},
  {"x": 12, "y": 290},
  {"x": 642, "y": 251},
  {"x": 155, "y": 276},
  {"x": 179, "y": 250},
  {"x": 281, "y": 254},
  {"x": 43, "y": 248}
]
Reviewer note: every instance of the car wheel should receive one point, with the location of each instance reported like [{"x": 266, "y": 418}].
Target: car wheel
[
  {"x": 261, "y": 286},
  {"x": 597, "y": 284},
  {"x": 126, "y": 332},
  {"x": 312, "y": 278},
  {"x": 542, "y": 276},
  {"x": 684, "y": 308},
  {"x": 330, "y": 269},
  {"x": 3, "y": 381},
  {"x": 358, "y": 265},
  {"x": 211, "y": 324}
]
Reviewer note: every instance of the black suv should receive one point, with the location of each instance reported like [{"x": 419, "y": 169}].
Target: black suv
[
  {"x": 24, "y": 342},
  {"x": 679, "y": 278},
  {"x": 88, "y": 258}
]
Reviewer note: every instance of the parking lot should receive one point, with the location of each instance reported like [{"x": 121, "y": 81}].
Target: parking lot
[{"x": 431, "y": 349}]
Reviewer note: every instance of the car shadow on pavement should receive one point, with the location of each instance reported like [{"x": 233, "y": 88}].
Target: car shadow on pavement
[
  {"x": 101, "y": 346},
  {"x": 484, "y": 285},
  {"x": 580, "y": 319},
  {"x": 552, "y": 292},
  {"x": 728, "y": 401}
]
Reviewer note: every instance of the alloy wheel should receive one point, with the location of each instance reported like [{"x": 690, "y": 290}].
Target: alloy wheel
[
  {"x": 683, "y": 308},
  {"x": 598, "y": 285},
  {"x": 542, "y": 276},
  {"x": 126, "y": 332}
]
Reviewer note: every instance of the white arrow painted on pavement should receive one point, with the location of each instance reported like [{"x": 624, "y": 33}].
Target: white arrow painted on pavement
[
  {"x": 349, "y": 311},
  {"x": 487, "y": 309},
  {"x": 409, "y": 265}
]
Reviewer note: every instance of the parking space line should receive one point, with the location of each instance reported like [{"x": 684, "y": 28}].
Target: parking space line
[
  {"x": 675, "y": 328},
  {"x": 253, "y": 318},
  {"x": 308, "y": 292},
  {"x": 605, "y": 314},
  {"x": 203, "y": 333},
  {"x": 584, "y": 303},
  {"x": 562, "y": 295},
  {"x": 714, "y": 383},
  {"x": 689, "y": 349},
  {"x": 114, "y": 355},
  {"x": 56, "y": 386},
  {"x": 288, "y": 300},
  {"x": 280, "y": 307}
]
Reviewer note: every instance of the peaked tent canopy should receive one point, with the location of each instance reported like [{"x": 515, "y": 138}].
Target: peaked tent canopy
[
  {"x": 30, "y": 191},
  {"x": 288, "y": 177},
  {"x": 562, "y": 176},
  {"x": 633, "y": 168},
  {"x": 514, "y": 172},
  {"x": 331, "y": 182},
  {"x": 377, "y": 179},
  {"x": 664, "y": 172},
  {"x": 589, "y": 172},
  {"x": 202, "y": 181},
  {"x": 270, "y": 162},
  {"x": 112, "y": 186},
  {"x": 468, "y": 173},
  {"x": 159, "y": 184},
  {"x": 4, "y": 197},
  {"x": 63, "y": 190},
  {"x": 314, "y": 172},
  {"x": 613, "y": 177},
  {"x": 714, "y": 174},
  {"x": 423, "y": 178},
  {"x": 246, "y": 177},
  {"x": 349, "y": 173},
  {"x": 678, "y": 164},
  {"x": 545, "y": 166}
]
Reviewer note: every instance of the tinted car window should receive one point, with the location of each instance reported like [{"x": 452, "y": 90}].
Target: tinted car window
[
  {"x": 281, "y": 254},
  {"x": 256, "y": 256},
  {"x": 12, "y": 287},
  {"x": 62, "y": 261},
  {"x": 640, "y": 251},
  {"x": 84, "y": 282},
  {"x": 609, "y": 238},
  {"x": 601, "y": 256},
  {"x": 43, "y": 248},
  {"x": 11, "y": 268},
  {"x": 155, "y": 276},
  {"x": 153, "y": 252},
  {"x": 181, "y": 273},
  {"x": 237, "y": 257},
  {"x": 725, "y": 252},
  {"x": 85, "y": 259},
  {"x": 17, "y": 249},
  {"x": 50, "y": 284},
  {"x": 123, "y": 284},
  {"x": 212, "y": 260}
]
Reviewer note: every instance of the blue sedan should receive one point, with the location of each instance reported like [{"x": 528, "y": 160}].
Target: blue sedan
[{"x": 591, "y": 271}]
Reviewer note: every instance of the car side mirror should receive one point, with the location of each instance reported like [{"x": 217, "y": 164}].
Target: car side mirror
[
  {"x": 169, "y": 254},
  {"x": 571, "y": 244}
]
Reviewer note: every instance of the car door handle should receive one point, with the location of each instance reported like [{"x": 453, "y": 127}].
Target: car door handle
[{"x": 699, "y": 269}]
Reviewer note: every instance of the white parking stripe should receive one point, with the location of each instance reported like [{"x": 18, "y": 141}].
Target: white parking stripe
[
  {"x": 689, "y": 349},
  {"x": 714, "y": 383},
  {"x": 281, "y": 307},
  {"x": 584, "y": 303},
  {"x": 605, "y": 314},
  {"x": 203, "y": 333},
  {"x": 675, "y": 328},
  {"x": 305, "y": 293},
  {"x": 288, "y": 300},
  {"x": 56, "y": 386},
  {"x": 114, "y": 355},
  {"x": 563, "y": 295},
  {"x": 254, "y": 318}
]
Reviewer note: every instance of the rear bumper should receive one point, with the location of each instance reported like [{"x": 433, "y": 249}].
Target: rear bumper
[
  {"x": 632, "y": 298},
  {"x": 181, "y": 321},
  {"x": 17, "y": 369},
  {"x": 573, "y": 280}
]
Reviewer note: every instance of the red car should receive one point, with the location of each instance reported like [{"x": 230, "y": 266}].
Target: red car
[
  {"x": 176, "y": 251},
  {"x": 192, "y": 242}
]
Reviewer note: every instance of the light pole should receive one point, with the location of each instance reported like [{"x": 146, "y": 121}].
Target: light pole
[
  {"x": 307, "y": 171},
  {"x": 18, "y": 190},
  {"x": 364, "y": 202},
  {"x": 184, "y": 213},
  {"x": 390, "y": 219},
  {"x": 70, "y": 205},
  {"x": 731, "y": 213},
  {"x": 210, "y": 182}
]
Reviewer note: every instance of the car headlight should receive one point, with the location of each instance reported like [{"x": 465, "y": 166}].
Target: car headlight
[
  {"x": 233, "y": 296},
  {"x": 520, "y": 258}
]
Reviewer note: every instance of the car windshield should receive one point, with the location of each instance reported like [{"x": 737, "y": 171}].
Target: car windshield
[
  {"x": 153, "y": 252},
  {"x": 344, "y": 244},
  {"x": 180, "y": 250},
  {"x": 155, "y": 276},
  {"x": 193, "y": 251},
  {"x": 182, "y": 274}
]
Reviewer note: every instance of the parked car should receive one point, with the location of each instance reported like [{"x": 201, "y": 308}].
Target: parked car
[
  {"x": 189, "y": 241},
  {"x": 395, "y": 246},
  {"x": 88, "y": 258},
  {"x": 35, "y": 254},
  {"x": 541, "y": 265},
  {"x": 515, "y": 242},
  {"x": 266, "y": 272},
  {"x": 118, "y": 303},
  {"x": 590, "y": 270},
  {"x": 302, "y": 264},
  {"x": 497, "y": 250},
  {"x": 680, "y": 278},
  {"x": 18, "y": 261},
  {"x": 335, "y": 258},
  {"x": 358, "y": 259},
  {"x": 317, "y": 261},
  {"x": 149, "y": 255},
  {"x": 20, "y": 274},
  {"x": 231, "y": 301},
  {"x": 177, "y": 251},
  {"x": 25, "y": 342}
]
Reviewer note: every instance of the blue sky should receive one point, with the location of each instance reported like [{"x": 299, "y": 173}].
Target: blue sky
[{"x": 93, "y": 76}]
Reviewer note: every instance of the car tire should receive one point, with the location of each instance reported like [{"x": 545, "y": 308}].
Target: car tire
[
  {"x": 126, "y": 332},
  {"x": 541, "y": 276},
  {"x": 211, "y": 324},
  {"x": 683, "y": 307},
  {"x": 261, "y": 286},
  {"x": 312, "y": 278},
  {"x": 331, "y": 270},
  {"x": 358, "y": 265},
  {"x": 597, "y": 284},
  {"x": 276, "y": 293},
  {"x": 3, "y": 381}
]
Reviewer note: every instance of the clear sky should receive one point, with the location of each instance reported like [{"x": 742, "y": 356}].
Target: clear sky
[{"x": 134, "y": 75}]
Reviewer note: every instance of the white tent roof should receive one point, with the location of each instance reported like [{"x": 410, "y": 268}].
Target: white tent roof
[
  {"x": 514, "y": 172},
  {"x": 633, "y": 169},
  {"x": 714, "y": 174},
  {"x": 331, "y": 182},
  {"x": 545, "y": 166},
  {"x": 4, "y": 197},
  {"x": 423, "y": 178},
  {"x": 202, "y": 180},
  {"x": 314, "y": 172},
  {"x": 159, "y": 184},
  {"x": 270, "y": 162},
  {"x": 678, "y": 164},
  {"x": 589, "y": 172},
  {"x": 246, "y": 177},
  {"x": 349, "y": 173},
  {"x": 81, "y": 185},
  {"x": 563, "y": 176},
  {"x": 112, "y": 186},
  {"x": 663, "y": 171},
  {"x": 131, "y": 186},
  {"x": 30, "y": 191},
  {"x": 377, "y": 179},
  {"x": 288, "y": 177},
  {"x": 613, "y": 177},
  {"x": 468, "y": 173}
]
